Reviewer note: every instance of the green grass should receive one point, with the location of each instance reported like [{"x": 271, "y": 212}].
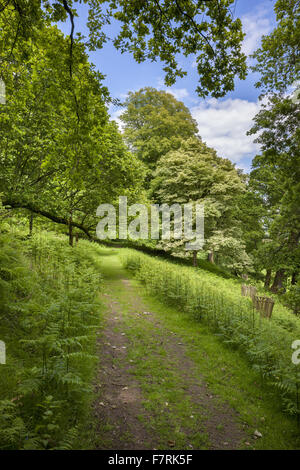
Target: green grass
[
  {"x": 48, "y": 293},
  {"x": 217, "y": 303},
  {"x": 160, "y": 379},
  {"x": 227, "y": 373}
]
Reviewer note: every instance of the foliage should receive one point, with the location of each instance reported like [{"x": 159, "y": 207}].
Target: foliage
[
  {"x": 266, "y": 343},
  {"x": 292, "y": 298},
  {"x": 49, "y": 316},
  {"x": 275, "y": 180},
  {"x": 153, "y": 30},
  {"x": 194, "y": 173},
  {"x": 155, "y": 123},
  {"x": 277, "y": 60},
  {"x": 275, "y": 175},
  {"x": 249, "y": 211},
  {"x": 59, "y": 154}
]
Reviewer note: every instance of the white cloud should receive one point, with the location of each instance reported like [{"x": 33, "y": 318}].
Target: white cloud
[
  {"x": 223, "y": 126},
  {"x": 255, "y": 25},
  {"x": 178, "y": 93}
]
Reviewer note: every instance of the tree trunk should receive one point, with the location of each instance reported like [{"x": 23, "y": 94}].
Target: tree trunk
[
  {"x": 211, "y": 257},
  {"x": 70, "y": 231},
  {"x": 268, "y": 278},
  {"x": 293, "y": 245},
  {"x": 294, "y": 278},
  {"x": 278, "y": 281},
  {"x": 30, "y": 224},
  {"x": 195, "y": 258}
]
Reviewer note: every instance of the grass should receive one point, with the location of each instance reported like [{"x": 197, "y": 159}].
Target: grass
[
  {"x": 217, "y": 304},
  {"x": 167, "y": 406},
  {"x": 44, "y": 284},
  {"x": 161, "y": 378}
]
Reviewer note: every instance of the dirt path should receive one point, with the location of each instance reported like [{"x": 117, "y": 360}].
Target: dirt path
[
  {"x": 120, "y": 402},
  {"x": 151, "y": 394}
]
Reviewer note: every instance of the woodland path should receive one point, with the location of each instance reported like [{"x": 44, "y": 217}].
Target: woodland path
[{"x": 150, "y": 393}]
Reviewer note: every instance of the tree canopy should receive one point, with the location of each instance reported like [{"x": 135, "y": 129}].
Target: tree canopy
[
  {"x": 278, "y": 58},
  {"x": 194, "y": 173},
  {"x": 152, "y": 30},
  {"x": 155, "y": 123},
  {"x": 60, "y": 156},
  {"x": 275, "y": 176}
]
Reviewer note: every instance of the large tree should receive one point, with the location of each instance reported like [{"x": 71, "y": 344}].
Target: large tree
[
  {"x": 278, "y": 59},
  {"x": 60, "y": 157},
  {"x": 155, "y": 123},
  {"x": 194, "y": 173},
  {"x": 55, "y": 127},
  {"x": 275, "y": 176}
]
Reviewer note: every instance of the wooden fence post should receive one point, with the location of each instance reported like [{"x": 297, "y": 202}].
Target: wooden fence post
[
  {"x": 248, "y": 290},
  {"x": 252, "y": 291},
  {"x": 244, "y": 290},
  {"x": 264, "y": 305}
]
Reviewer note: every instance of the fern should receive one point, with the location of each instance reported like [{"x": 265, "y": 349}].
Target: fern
[
  {"x": 265, "y": 343},
  {"x": 49, "y": 315}
]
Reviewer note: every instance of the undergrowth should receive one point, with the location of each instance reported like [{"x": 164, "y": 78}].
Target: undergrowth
[
  {"x": 219, "y": 304},
  {"x": 48, "y": 318}
]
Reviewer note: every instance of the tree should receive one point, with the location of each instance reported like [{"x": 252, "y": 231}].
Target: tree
[
  {"x": 60, "y": 157},
  {"x": 275, "y": 175},
  {"x": 278, "y": 58},
  {"x": 151, "y": 30},
  {"x": 194, "y": 173},
  {"x": 56, "y": 137},
  {"x": 279, "y": 248},
  {"x": 155, "y": 123},
  {"x": 249, "y": 210}
]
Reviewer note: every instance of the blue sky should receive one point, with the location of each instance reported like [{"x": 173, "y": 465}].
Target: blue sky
[{"x": 222, "y": 123}]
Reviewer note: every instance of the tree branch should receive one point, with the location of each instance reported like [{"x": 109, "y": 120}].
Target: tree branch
[
  {"x": 69, "y": 11},
  {"x": 48, "y": 215},
  {"x": 195, "y": 26},
  {"x": 71, "y": 15}
]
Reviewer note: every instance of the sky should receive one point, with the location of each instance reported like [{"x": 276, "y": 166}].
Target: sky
[{"x": 222, "y": 123}]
